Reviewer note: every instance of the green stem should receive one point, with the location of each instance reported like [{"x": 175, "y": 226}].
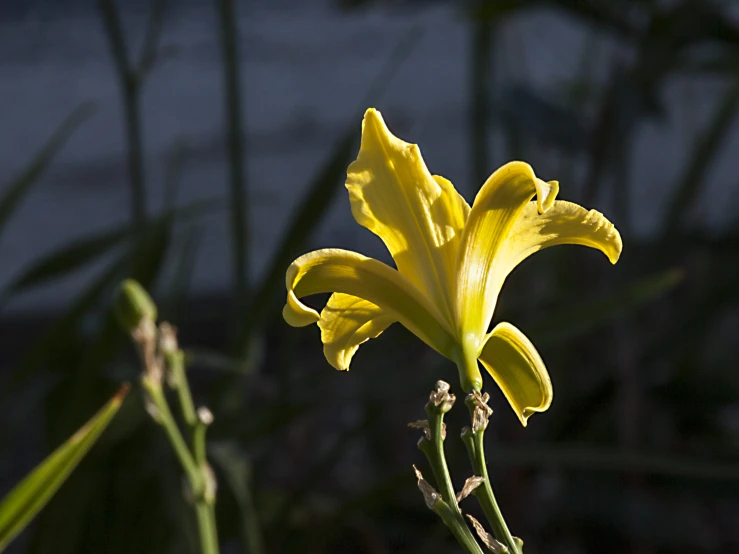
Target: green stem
[
  {"x": 485, "y": 496},
  {"x": 453, "y": 520},
  {"x": 446, "y": 507},
  {"x": 207, "y": 527},
  {"x": 434, "y": 451},
  {"x": 167, "y": 421},
  {"x": 195, "y": 472},
  {"x": 176, "y": 365}
]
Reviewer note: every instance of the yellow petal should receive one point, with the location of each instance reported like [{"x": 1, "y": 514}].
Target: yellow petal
[
  {"x": 518, "y": 370},
  {"x": 564, "y": 223},
  {"x": 346, "y": 322},
  {"x": 496, "y": 208},
  {"x": 335, "y": 270},
  {"x": 418, "y": 216}
]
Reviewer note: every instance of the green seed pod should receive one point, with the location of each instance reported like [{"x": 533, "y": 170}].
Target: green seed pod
[{"x": 133, "y": 304}]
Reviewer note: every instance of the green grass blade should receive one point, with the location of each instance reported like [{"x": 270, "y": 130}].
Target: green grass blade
[
  {"x": 22, "y": 503},
  {"x": 23, "y": 183}
]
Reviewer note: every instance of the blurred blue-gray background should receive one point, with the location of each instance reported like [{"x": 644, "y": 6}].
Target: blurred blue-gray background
[{"x": 200, "y": 145}]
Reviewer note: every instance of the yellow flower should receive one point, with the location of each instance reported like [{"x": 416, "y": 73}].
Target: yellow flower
[{"x": 451, "y": 263}]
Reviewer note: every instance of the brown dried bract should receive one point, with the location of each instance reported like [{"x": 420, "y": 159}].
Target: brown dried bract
[
  {"x": 430, "y": 496},
  {"x": 469, "y": 485},
  {"x": 422, "y": 424},
  {"x": 488, "y": 540},
  {"x": 441, "y": 398},
  {"x": 482, "y": 411}
]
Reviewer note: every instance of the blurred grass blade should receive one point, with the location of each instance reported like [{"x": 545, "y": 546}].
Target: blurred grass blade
[
  {"x": 79, "y": 253},
  {"x": 238, "y": 190},
  {"x": 178, "y": 287},
  {"x": 706, "y": 149},
  {"x": 22, "y": 503},
  {"x": 237, "y": 473},
  {"x": 569, "y": 323},
  {"x": 310, "y": 211},
  {"x": 23, "y": 183},
  {"x": 321, "y": 191},
  {"x": 68, "y": 259},
  {"x": 594, "y": 458}
]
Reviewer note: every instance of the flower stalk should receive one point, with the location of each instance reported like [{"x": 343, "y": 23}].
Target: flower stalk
[
  {"x": 163, "y": 361},
  {"x": 473, "y": 440},
  {"x": 443, "y": 504}
]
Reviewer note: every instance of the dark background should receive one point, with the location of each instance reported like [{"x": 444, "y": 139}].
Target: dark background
[{"x": 631, "y": 105}]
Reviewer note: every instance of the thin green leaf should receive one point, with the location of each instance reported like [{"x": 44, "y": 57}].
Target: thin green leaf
[
  {"x": 571, "y": 322},
  {"x": 22, "y": 503},
  {"x": 24, "y": 182}
]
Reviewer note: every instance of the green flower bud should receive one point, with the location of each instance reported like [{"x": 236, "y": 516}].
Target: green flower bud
[{"x": 133, "y": 304}]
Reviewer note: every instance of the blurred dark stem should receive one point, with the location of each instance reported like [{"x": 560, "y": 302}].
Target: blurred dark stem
[
  {"x": 480, "y": 74},
  {"x": 235, "y": 141},
  {"x": 706, "y": 148},
  {"x": 130, "y": 79}
]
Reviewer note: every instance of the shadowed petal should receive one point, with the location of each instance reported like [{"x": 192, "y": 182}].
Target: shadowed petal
[
  {"x": 518, "y": 370},
  {"x": 335, "y": 270},
  {"x": 346, "y": 322},
  {"x": 418, "y": 216}
]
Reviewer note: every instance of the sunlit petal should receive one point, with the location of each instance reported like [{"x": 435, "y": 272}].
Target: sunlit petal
[
  {"x": 564, "y": 223},
  {"x": 346, "y": 322},
  {"x": 334, "y": 270},
  {"x": 418, "y": 216},
  {"x": 496, "y": 208},
  {"x": 518, "y": 370}
]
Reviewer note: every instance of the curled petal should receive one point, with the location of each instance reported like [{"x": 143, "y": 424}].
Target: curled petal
[
  {"x": 517, "y": 368},
  {"x": 496, "y": 208},
  {"x": 346, "y": 322},
  {"x": 335, "y": 270},
  {"x": 418, "y": 216},
  {"x": 564, "y": 223}
]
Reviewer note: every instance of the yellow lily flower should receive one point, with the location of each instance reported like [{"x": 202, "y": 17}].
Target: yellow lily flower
[{"x": 451, "y": 263}]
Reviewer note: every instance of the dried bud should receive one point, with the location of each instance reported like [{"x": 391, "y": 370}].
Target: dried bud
[
  {"x": 441, "y": 398},
  {"x": 481, "y": 412},
  {"x": 205, "y": 416},
  {"x": 469, "y": 485},
  {"x": 133, "y": 305},
  {"x": 488, "y": 540},
  {"x": 422, "y": 424},
  {"x": 430, "y": 496},
  {"x": 145, "y": 338},
  {"x": 167, "y": 338}
]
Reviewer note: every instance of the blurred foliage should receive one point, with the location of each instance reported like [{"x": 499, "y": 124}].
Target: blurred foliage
[{"x": 639, "y": 452}]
